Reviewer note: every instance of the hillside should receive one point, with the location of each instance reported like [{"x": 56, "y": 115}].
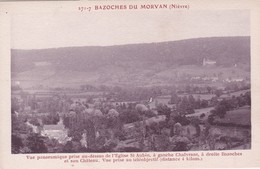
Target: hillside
[{"x": 149, "y": 63}]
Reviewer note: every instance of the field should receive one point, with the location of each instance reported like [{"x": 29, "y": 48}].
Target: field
[
  {"x": 193, "y": 70},
  {"x": 236, "y": 94},
  {"x": 241, "y": 116},
  {"x": 234, "y": 132},
  {"x": 123, "y": 76},
  {"x": 199, "y": 96},
  {"x": 199, "y": 112}
]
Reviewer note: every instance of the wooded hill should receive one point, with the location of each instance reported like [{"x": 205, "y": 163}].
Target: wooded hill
[{"x": 225, "y": 51}]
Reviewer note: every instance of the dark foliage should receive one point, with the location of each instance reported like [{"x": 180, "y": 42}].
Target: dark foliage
[{"x": 225, "y": 50}]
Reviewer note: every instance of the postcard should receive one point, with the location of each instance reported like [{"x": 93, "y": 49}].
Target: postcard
[{"x": 129, "y": 84}]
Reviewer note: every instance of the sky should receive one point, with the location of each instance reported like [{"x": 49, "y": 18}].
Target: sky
[{"x": 53, "y": 30}]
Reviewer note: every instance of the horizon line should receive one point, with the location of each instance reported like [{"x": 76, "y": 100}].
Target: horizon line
[{"x": 128, "y": 43}]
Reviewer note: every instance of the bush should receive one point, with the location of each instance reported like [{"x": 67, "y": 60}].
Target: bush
[{"x": 182, "y": 120}]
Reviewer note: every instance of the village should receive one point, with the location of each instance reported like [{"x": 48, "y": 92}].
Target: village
[{"x": 116, "y": 119}]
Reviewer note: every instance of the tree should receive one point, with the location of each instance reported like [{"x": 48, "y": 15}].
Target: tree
[
  {"x": 35, "y": 142},
  {"x": 75, "y": 132},
  {"x": 221, "y": 110},
  {"x": 175, "y": 99},
  {"x": 211, "y": 117},
  {"x": 213, "y": 101},
  {"x": 183, "y": 105},
  {"x": 190, "y": 110},
  {"x": 196, "y": 122},
  {"x": 209, "y": 89},
  {"x": 35, "y": 121},
  {"x": 247, "y": 97},
  {"x": 129, "y": 116},
  {"x": 164, "y": 110},
  {"x": 19, "y": 129},
  {"x": 182, "y": 120},
  {"x": 51, "y": 118},
  {"x": 192, "y": 101},
  {"x": 72, "y": 147},
  {"x": 53, "y": 146},
  {"x": 202, "y": 115},
  {"x": 204, "y": 104},
  {"x": 17, "y": 143},
  {"x": 233, "y": 102},
  {"x": 90, "y": 133},
  {"x": 218, "y": 93},
  {"x": 181, "y": 146}
]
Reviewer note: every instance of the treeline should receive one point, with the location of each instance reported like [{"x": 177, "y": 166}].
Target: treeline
[
  {"x": 186, "y": 105},
  {"x": 225, "y": 50}
]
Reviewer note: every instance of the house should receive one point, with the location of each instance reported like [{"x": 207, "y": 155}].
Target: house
[
  {"x": 57, "y": 132},
  {"x": 208, "y": 62}
]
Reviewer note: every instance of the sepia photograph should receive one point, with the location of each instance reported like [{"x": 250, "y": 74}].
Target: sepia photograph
[{"x": 143, "y": 81}]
